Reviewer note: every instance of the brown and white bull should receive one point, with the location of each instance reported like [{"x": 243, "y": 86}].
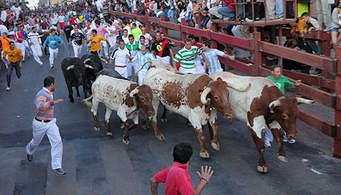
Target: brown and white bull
[
  {"x": 194, "y": 96},
  {"x": 263, "y": 106},
  {"x": 124, "y": 96}
]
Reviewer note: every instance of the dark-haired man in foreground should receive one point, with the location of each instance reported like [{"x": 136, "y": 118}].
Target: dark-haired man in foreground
[{"x": 177, "y": 178}]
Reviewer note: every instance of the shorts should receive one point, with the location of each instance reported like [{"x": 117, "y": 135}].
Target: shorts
[{"x": 334, "y": 30}]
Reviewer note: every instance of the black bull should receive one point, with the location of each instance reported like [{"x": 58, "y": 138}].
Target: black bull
[{"x": 79, "y": 72}]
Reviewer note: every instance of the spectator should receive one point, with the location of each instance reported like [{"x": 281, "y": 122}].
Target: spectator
[
  {"x": 227, "y": 12},
  {"x": 323, "y": 9},
  {"x": 336, "y": 24},
  {"x": 176, "y": 177}
]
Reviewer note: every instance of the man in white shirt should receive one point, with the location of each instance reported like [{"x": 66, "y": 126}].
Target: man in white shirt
[
  {"x": 61, "y": 20},
  {"x": 35, "y": 42},
  {"x": 3, "y": 15},
  {"x": 125, "y": 36},
  {"x": 121, "y": 57},
  {"x": 146, "y": 35},
  {"x": 3, "y": 28}
]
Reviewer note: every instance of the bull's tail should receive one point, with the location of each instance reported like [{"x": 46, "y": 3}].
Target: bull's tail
[
  {"x": 87, "y": 102},
  {"x": 137, "y": 72}
]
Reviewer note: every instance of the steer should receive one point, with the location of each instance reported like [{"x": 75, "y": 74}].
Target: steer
[
  {"x": 195, "y": 96},
  {"x": 73, "y": 71},
  {"x": 93, "y": 65},
  {"x": 263, "y": 106},
  {"x": 126, "y": 97}
]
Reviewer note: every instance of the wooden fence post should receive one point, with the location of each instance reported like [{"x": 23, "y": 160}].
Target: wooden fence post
[
  {"x": 183, "y": 35},
  {"x": 257, "y": 52},
  {"x": 337, "y": 139},
  {"x": 164, "y": 29}
]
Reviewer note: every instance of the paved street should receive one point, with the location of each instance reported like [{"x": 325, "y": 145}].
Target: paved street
[{"x": 97, "y": 164}]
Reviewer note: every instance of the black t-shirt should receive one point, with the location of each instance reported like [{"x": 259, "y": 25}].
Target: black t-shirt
[
  {"x": 157, "y": 47},
  {"x": 78, "y": 38}
]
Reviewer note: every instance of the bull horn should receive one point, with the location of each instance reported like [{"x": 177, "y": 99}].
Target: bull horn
[
  {"x": 137, "y": 72},
  {"x": 88, "y": 66},
  {"x": 275, "y": 103},
  {"x": 204, "y": 95},
  {"x": 304, "y": 101},
  {"x": 134, "y": 92},
  {"x": 239, "y": 88},
  {"x": 70, "y": 67},
  {"x": 86, "y": 60}
]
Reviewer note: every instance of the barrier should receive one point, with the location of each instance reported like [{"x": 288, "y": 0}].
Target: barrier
[{"x": 259, "y": 48}]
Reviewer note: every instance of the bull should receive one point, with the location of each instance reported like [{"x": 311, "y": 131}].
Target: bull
[
  {"x": 263, "y": 106},
  {"x": 124, "y": 96},
  {"x": 79, "y": 72},
  {"x": 196, "y": 97}
]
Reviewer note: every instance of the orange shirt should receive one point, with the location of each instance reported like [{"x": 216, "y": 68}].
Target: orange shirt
[
  {"x": 4, "y": 43},
  {"x": 96, "y": 42},
  {"x": 13, "y": 55}
]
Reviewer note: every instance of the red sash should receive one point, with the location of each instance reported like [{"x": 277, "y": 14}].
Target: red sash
[{"x": 163, "y": 45}]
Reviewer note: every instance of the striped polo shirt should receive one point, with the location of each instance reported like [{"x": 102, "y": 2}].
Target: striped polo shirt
[
  {"x": 43, "y": 109},
  {"x": 212, "y": 58},
  {"x": 143, "y": 58},
  {"x": 186, "y": 57}
]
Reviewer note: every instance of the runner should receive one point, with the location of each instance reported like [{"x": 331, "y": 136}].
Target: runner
[
  {"x": 162, "y": 49},
  {"x": 77, "y": 39},
  {"x": 53, "y": 41},
  {"x": 133, "y": 47},
  {"x": 95, "y": 41},
  {"x": 141, "y": 58},
  {"x": 19, "y": 41},
  {"x": 121, "y": 57},
  {"x": 35, "y": 42},
  {"x": 13, "y": 58}
]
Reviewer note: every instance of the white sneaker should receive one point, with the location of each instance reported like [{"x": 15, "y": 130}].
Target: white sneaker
[
  {"x": 267, "y": 144},
  {"x": 8, "y": 88}
]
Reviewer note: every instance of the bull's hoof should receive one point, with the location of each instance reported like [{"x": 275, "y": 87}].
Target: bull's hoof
[
  {"x": 262, "y": 169},
  {"x": 204, "y": 154},
  {"x": 282, "y": 158},
  {"x": 215, "y": 146},
  {"x": 96, "y": 128},
  {"x": 163, "y": 120},
  {"x": 125, "y": 141},
  {"x": 160, "y": 137},
  {"x": 109, "y": 134}
]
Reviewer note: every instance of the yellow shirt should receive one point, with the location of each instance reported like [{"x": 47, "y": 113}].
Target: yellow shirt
[
  {"x": 96, "y": 42},
  {"x": 13, "y": 55},
  {"x": 81, "y": 19}
]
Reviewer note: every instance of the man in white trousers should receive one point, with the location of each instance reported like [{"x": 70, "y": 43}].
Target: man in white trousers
[
  {"x": 121, "y": 57},
  {"x": 19, "y": 41},
  {"x": 53, "y": 41},
  {"x": 77, "y": 39},
  {"x": 35, "y": 42},
  {"x": 44, "y": 122}
]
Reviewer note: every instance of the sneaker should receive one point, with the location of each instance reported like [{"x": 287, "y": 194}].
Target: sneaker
[
  {"x": 51, "y": 67},
  {"x": 8, "y": 88},
  {"x": 41, "y": 64},
  {"x": 291, "y": 141},
  {"x": 29, "y": 157},
  {"x": 267, "y": 144},
  {"x": 59, "y": 171},
  {"x": 107, "y": 57},
  {"x": 248, "y": 20}
]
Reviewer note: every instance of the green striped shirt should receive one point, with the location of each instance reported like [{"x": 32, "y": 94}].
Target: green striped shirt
[{"x": 186, "y": 57}]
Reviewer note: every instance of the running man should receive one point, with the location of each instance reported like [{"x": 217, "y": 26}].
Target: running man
[
  {"x": 77, "y": 39},
  {"x": 95, "y": 41},
  {"x": 141, "y": 58},
  {"x": 35, "y": 42},
  {"x": 44, "y": 122},
  {"x": 13, "y": 57},
  {"x": 53, "y": 41},
  {"x": 121, "y": 57}
]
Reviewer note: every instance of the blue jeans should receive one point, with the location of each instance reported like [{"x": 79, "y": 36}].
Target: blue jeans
[
  {"x": 226, "y": 12},
  {"x": 279, "y": 8}
]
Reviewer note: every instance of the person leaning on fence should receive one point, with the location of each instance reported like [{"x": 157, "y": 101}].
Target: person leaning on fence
[
  {"x": 176, "y": 177},
  {"x": 227, "y": 11},
  {"x": 336, "y": 25}
]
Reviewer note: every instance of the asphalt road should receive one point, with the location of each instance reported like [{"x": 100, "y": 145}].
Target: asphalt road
[{"x": 97, "y": 164}]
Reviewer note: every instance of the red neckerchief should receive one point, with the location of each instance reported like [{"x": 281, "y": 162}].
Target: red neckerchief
[{"x": 163, "y": 45}]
